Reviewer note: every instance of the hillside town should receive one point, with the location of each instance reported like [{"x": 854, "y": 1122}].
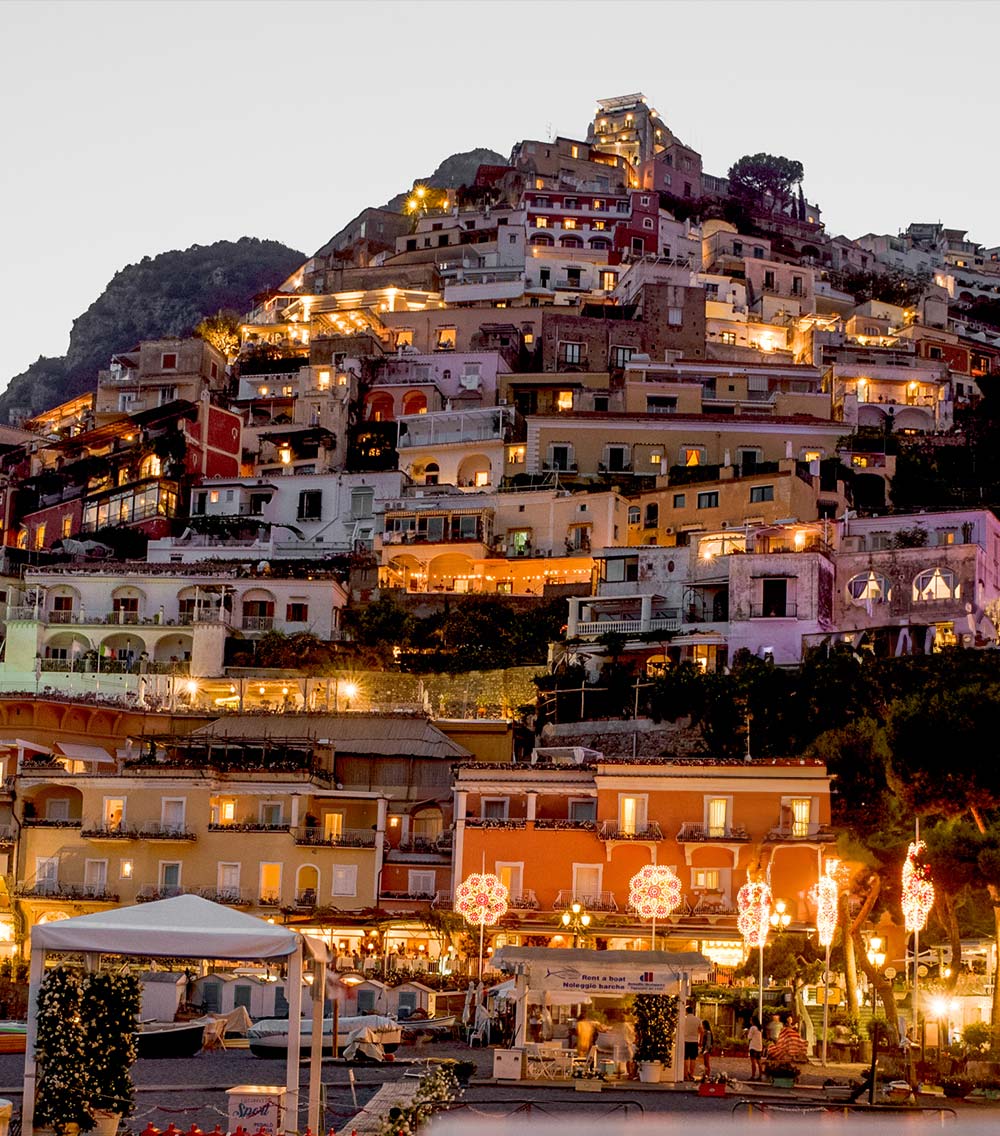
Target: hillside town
[{"x": 662, "y": 417}]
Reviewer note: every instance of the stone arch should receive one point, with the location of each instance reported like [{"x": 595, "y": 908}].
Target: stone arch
[
  {"x": 379, "y": 407},
  {"x": 449, "y": 572},
  {"x": 476, "y": 470},
  {"x": 415, "y": 402},
  {"x": 307, "y": 883}
]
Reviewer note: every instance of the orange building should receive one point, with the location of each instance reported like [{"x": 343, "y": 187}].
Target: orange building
[{"x": 576, "y": 829}]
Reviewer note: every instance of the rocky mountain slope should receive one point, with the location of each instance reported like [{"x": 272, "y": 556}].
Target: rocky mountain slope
[{"x": 161, "y": 295}]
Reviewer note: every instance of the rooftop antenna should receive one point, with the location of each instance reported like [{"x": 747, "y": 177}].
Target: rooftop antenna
[{"x": 548, "y": 127}]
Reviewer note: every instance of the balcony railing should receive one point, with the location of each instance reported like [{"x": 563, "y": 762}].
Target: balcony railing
[
  {"x": 525, "y": 900},
  {"x": 258, "y": 622},
  {"x": 163, "y": 830},
  {"x": 796, "y": 831},
  {"x": 441, "y": 899},
  {"x": 495, "y": 822},
  {"x": 79, "y": 665},
  {"x": 114, "y": 618},
  {"x": 233, "y": 896},
  {"x": 306, "y": 899},
  {"x": 249, "y": 826},
  {"x": 56, "y": 889},
  {"x": 773, "y": 611},
  {"x": 97, "y": 829},
  {"x": 148, "y": 893},
  {"x": 414, "y": 895},
  {"x": 49, "y": 822},
  {"x": 628, "y": 626},
  {"x": 613, "y": 830},
  {"x": 697, "y": 833},
  {"x": 566, "y": 824},
  {"x": 347, "y": 838},
  {"x": 592, "y": 901}
]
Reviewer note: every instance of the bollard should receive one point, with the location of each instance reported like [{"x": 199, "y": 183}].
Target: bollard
[
  {"x": 150, "y": 1130},
  {"x": 194, "y": 1130},
  {"x": 241, "y": 1131},
  {"x": 171, "y": 1130}
]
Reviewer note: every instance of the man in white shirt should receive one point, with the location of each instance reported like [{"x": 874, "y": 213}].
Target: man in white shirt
[{"x": 692, "y": 1038}]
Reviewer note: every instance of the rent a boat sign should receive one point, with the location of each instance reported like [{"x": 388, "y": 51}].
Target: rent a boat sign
[{"x": 608, "y": 980}]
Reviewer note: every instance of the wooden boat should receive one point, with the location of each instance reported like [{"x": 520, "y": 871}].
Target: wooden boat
[
  {"x": 269, "y": 1037},
  {"x": 13, "y": 1037},
  {"x": 442, "y": 1024},
  {"x": 170, "y": 1039}
]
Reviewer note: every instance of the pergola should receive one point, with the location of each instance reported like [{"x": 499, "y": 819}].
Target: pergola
[
  {"x": 186, "y": 926},
  {"x": 539, "y": 971}
]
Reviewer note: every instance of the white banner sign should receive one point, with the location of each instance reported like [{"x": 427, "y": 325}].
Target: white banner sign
[{"x": 608, "y": 980}]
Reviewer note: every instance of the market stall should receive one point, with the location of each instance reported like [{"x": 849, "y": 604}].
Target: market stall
[
  {"x": 186, "y": 926},
  {"x": 546, "y": 975}
]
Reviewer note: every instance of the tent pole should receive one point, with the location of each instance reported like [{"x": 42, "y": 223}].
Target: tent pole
[
  {"x": 290, "y": 1121},
  {"x": 316, "y": 1053},
  {"x": 37, "y": 969}
]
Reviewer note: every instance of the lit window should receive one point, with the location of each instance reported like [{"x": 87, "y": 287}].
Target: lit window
[
  {"x": 936, "y": 584},
  {"x": 569, "y": 223},
  {"x": 564, "y": 400},
  {"x": 693, "y": 455},
  {"x": 126, "y": 869},
  {"x": 404, "y": 337},
  {"x": 40, "y": 537},
  {"x": 67, "y": 527},
  {"x": 482, "y": 478},
  {"x": 869, "y": 587},
  {"x": 812, "y": 456},
  {"x": 446, "y": 339},
  {"x": 707, "y": 878},
  {"x": 213, "y": 497},
  {"x": 262, "y": 391},
  {"x": 541, "y": 222}
]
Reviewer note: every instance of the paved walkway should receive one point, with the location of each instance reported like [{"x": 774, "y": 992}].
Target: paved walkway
[{"x": 395, "y": 1094}]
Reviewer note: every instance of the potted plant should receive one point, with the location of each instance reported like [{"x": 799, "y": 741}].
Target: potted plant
[
  {"x": 109, "y": 1008},
  {"x": 655, "y": 1017},
  {"x": 783, "y": 1074},
  {"x": 462, "y": 1070},
  {"x": 955, "y": 1088}
]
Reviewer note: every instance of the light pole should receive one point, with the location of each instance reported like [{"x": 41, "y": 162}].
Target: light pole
[
  {"x": 876, "y": 960},
  {"x": 576, "y": 918},
  {"x": 826, "y": 926}
]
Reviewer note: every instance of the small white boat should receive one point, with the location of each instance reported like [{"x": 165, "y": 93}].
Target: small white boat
[
  {"x": 269, "y": 1037},
  {"x": 429, "y": 1025}
]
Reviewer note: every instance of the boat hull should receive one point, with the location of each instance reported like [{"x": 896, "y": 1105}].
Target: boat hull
[{"x": 169, "y": 1040}]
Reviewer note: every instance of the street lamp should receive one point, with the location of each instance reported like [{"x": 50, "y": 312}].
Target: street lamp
[
  {"x": 576, "y": 918},
  {"x": 780, "y": 917},
  {"x": 876, "y": 956}
]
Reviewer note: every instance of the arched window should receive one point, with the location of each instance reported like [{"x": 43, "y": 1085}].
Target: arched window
[
  {"x": 571, "y": 242},
  {"x": 869, "y": 587},
  {"x": 599, "y": 243},
  {"x": 542, "y": 239},
  {"x": 431, "y": 472},
  {"x": 936, "y": 584}
]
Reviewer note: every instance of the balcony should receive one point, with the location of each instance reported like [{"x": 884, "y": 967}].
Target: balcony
[
  {"x": 306, "y": 900},
  {"x": 249, "y": 826},
  {"x": 100, "y": 830},
  {"x": 628, "y": 626},
  {"x": 412, "y": 895},
  {"x": 347, "y": 838},
  {"x": 49, "y": 822},
  {"x": 699, "y": 833},
  {"x": 614, "y": 830},
  {"x": 441, "y": 899},
  {"x": 806, "y": 832},
  {"x": 566, "y": 825},
  {"x": 592, "y": 901},
  {"x": 258, "y": 623},
  {"x": 773, "y": 611},
  {"x": 233, "y": 897},
  {"x": 162, "y": 830},
  {"x": 55, "y": 889},
  {"x": 114, "y": 618},
  {"x": 149, "y": 893},
  {"x": 6, "y": 834},
  {"x": 495, "y": 822},
  {"x": 525, "y": 900},
  {"x": 114, "y": 666}
]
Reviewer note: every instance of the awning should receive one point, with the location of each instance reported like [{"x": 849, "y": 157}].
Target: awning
[
  {"x": 85, "y": 753},
  {"x": 20, "y": 743}
]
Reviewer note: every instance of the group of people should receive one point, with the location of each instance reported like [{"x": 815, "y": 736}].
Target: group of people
[
  {"x": 698, "y": 1042},
  {"x": 783, "y": 1041}
]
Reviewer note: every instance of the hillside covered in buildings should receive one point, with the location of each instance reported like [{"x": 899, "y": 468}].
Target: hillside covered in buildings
[{"x": 553, "y": 476}]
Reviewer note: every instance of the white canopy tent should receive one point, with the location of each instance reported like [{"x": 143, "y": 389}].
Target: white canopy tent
[
  {"x": 186, "y": 926},
  {"x": 542, "y": 973}
]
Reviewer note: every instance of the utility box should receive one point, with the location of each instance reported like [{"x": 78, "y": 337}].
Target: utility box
[
  {"x": 508, "y": 1064},
  {"x": 255, "y": 1107}
]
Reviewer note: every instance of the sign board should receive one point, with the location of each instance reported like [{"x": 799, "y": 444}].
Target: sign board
[
  {"x": 890, "y": 972},
  {"x": 921, "y": 971},
  {"x": 255, "y": 1107},
  {"x": 599, "y": 979}
]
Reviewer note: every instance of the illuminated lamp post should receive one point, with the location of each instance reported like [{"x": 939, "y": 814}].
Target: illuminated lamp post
[
  {"x": 917, "y": 899},
  {"x": 753, "y": 902},
  {"x": 654, "y": 893},
  {"x": 576, "y": 918},
  {"x": 826, "y": 927},
  {"x": 481, "y": 898}
]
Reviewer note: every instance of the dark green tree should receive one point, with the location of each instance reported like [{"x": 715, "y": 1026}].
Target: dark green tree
[{"x": 767, "y": 180}]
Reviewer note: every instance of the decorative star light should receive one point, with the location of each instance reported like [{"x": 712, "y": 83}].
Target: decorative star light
[
  {"x": 918, "y": 891},
  {"x": 754, "y": 903},
  {"x": 482, "y": 899},
  {"x": 654, "y": 892}
]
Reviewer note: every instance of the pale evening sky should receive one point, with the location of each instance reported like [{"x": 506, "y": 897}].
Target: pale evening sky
[{"x": 134, "y": 128}]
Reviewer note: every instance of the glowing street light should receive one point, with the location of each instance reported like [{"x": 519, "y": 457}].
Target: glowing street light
[{"x": 753, "y": 902}]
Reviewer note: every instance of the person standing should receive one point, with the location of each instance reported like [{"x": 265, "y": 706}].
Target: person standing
[
  {"x": 773, "y": 1029},
  {"x": 707, "y": 1041},
  {"x": 755, "y": 1048},
  {"x": 692, "y": 1041}
]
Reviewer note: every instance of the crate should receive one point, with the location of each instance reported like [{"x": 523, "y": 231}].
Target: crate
[{"x": 711, "y": 1089}]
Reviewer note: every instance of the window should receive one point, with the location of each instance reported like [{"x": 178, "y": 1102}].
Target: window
[
  {"x": 271, "y": 814},
  {"x": 297, "y": 612},
  {"x": 228, "y": 879},
  {"x": 172, "y": 810},
  {"x": 95, "y": 877},
  {"x": 707, "y": 879},
  {"x": 631, "y": 814},
  {"x": 693, "y": 455},
  {"x": 345, "y": 879},
  {"x": 634, "y": 514},
  {"x": 57, "y": 809},
  {"x": 564, "y": 400},
  {"x": 495, "y": 808},
  {"x": 113, "y": 815},
  {"x": 446, "y": 339},
  {"x": 569, "y": 223},
  {"x": 709, "y": 500},
  {"x": 46, "y": 873},
  {"x": 675, "y": 317},
  {"x": 587, "y": 883},
  {"x": 619, "y": 568},
  {"x": 169, "y": 879},
  {"x": 40, "y": 536},
  {"x": 125, "y": 869},
  {"x": 737, "y": 248},
  {"x": 869, "y": 587},
  {"x": 728, "y": 338},
  {"x": 310, "y": 505},
  {"x": 934, "y": 353},
  {"x": 511, "y": 875},
  {"x": 421, "y": 884},
  {"x": 647, "y": 222},
  {"x": 224, "y": 812},
  {"x": 801, "y": 814},
  {"x": 717, "y": 815},
  {"x": 609, "y": 281},
  {"x": 571, "y": 352},
  {"x": 680, "y": 501},
  {"x": 768, "y": 280},
  {"x": 617, "y": 458},
  {"x": 761, "y": 493},
  {"x": 620, "y": 356},
  {"x": 168, "y": 361},
  {"x": 560, "y": 456},
  {"x": 67, "y": 527},
  {"x": 270, "y": 883},
  {"x": 257, "y": 503},
  {"x": 583, "y": 809},
  {"x": 333, "y": 827},
  {"x": 167, "y": 395},
  {"x": 797, "y": 289},
  {"x": 652, "y": 518},
  {"x": 936, "y": 584}
]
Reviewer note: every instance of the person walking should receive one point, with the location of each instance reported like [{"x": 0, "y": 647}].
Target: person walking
[
  {"x": 755, "y": 1048},
  {"x": 707, "y": 1041},
  {"x": 692, "y": 1041}
]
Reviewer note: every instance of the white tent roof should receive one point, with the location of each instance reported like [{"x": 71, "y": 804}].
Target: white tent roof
[
  {"x": 185, "y": 926},
  {"x": 85, "y": 752}
]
